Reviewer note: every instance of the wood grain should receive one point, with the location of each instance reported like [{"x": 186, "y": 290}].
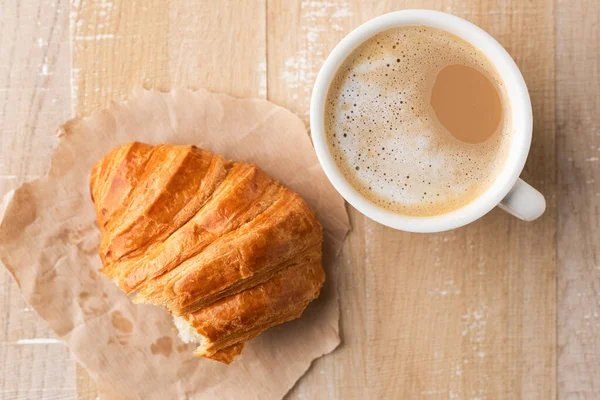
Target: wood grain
[
  {"x": 34, "y": 100},
  {"x": 464, "y": 314},
  {"x": 158, "y": 44},
  {"x": 578, "y": 138},
  {"x": 34, "y": 86}
]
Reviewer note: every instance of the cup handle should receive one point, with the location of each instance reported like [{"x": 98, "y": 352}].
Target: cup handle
[{"x": 523, "y": 201}]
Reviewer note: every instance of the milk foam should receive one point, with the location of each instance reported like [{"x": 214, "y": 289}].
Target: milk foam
[{"x": 386, "y": 139}]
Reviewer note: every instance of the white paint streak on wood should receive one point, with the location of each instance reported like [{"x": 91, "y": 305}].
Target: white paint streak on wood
[
  {"x": 300, "y": 70},
  {"x": 35, "y": 341}
]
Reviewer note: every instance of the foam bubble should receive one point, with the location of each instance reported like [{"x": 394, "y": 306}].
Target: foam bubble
[{"x": 385, "y": 137}]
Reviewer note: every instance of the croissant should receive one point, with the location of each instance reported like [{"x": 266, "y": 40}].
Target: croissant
[{"x": 224, "y": 247}]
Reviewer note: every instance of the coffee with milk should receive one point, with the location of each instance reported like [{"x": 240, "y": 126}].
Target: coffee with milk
[{"x": 417, "y": 120}]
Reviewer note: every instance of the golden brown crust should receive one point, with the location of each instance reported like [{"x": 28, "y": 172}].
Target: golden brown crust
[
  {"x": 114, "y": 177},
  {"x": 239, "y": 259},
  {"x": 153, "y": 204},
  {"x": 227, "y": 355},
  {"x": 220, "y": 243},
  {"x": 243, "y": 316},
  {"x": 238, "y": 200}
]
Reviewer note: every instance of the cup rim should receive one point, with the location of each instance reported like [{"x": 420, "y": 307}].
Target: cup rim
[{"x": 520, "y": 108}]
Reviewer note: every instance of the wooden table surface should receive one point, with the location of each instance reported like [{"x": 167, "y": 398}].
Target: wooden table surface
[{"x": 500, "y": 309}]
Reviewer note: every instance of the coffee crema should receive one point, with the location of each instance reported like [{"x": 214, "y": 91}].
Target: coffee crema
[{"x": 417, "y": 120}]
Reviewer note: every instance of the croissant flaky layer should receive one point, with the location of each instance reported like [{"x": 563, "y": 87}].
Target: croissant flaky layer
[{"x": 224, "y": 247}]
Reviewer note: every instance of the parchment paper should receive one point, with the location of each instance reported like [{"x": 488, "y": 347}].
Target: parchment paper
[{"x": 48, "y": 241}]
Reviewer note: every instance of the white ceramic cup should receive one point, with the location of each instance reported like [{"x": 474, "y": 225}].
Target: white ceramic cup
[{"x": 508, "y": 191}]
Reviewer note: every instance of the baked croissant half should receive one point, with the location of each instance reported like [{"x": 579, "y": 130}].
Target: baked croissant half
[{"x": 224, "y": 247}]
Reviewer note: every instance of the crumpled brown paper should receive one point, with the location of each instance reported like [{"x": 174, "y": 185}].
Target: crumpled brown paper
[{"x": 48, "y": 240}]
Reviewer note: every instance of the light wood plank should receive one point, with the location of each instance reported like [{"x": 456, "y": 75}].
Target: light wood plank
[
  {"x": 220, "y": 46},
  {"x": 578, "y": 247},
  {"x": 34, "y": 92},
  {"x": 464, "y": 314},
  {"x": 34, "y": 100},
  {"x": 36, "y": 371},
  {"x": 157, "y": 44}
]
